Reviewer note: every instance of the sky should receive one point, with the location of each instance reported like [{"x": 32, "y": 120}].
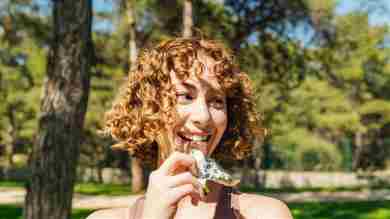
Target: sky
[
  {"x": 378, "y": 16},
  {"x": 102, "y": 5},
  {"x": 380, "y": 9},
  {"x": 344, "y": 6}
]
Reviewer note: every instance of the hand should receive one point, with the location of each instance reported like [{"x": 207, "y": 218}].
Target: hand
[{"x": 169, "y": 184}]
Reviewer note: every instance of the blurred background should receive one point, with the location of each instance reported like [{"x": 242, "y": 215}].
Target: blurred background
[{"x": 321, "y": 71}]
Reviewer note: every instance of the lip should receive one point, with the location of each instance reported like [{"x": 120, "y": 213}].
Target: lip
[
  {"x": 203, "y": 146},
  {"x": 193, "y": 134},
  {"x": 200, "y": 133},
  {"x": 189, "y": 135}
]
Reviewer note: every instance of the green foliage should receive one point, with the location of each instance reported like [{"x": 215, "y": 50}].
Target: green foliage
[
  {"x": 12, "y": 184},
  {"x": 319, "y": 105},
  {"x": 314, "y": 115},
  {"x": 307, "y": 151},
  {"x": 15, "y": 212},
  {"x": 332, "y": 210},
  {"x": 125, "y": 189},
  {"x": 328, "y": 210},
  {"x": 344, "y": 91},
  {"x": 356, "y": 63},
  {"x": 102, "y": 189},
  {"x": 311, "y": 96},
  {"x": 22, "y": 68},
  {"x": 22, "y": 71}
]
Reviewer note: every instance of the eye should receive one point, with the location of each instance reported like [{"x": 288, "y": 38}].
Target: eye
[
  {"x": 218, "y": 102},
  {"x": 184, "y": 98}
]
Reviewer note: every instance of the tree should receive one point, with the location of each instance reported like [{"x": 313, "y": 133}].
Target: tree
[
  {"x": 251, "y": 18},
  {"x": 21, "y": 68},
  {"x": 137, "y": 171},
  {"x": 356, "y": 61},
  {"x": 187, "y": 18},
  {"x": 54, "y": 157}
]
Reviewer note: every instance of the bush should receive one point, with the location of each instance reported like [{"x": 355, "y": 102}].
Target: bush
[{"x": 302, "y": 150}]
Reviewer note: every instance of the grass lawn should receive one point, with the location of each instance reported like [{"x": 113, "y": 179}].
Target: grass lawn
[
  {"x": 13, "y": 184},
  {"x": 102, "y": 189},
  {"x": 84, "y": 188},
  {"x": 125, "y": 189},
  {"x": 310, "y": 189},
  {"x": 346, "y": 210},
  {"x": 15, "y": 212}
]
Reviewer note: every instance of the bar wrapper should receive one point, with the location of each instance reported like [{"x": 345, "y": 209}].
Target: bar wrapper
[{"x": 208, "y": 169}]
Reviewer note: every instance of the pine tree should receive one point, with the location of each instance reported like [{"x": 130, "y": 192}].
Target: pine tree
[{"x": 55, "y": 154}]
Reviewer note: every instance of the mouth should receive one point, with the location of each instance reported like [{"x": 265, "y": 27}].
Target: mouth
[{"x": 192, "y": 140}]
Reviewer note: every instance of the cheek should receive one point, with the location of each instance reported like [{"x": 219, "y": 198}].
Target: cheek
[
  {"x": 179, "y": 120},
  {"x": 220, "y": 119},
  {"x": 182, "y": 111},
  {"x": 182, "y": 114}
]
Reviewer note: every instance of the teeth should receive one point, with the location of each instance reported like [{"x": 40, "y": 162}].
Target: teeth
[
  {"x": 199, "y": 138},
  {"x": 190, "y": 137}
]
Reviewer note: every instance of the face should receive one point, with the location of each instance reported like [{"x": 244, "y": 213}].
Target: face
[{"x": 201, "y": 106}]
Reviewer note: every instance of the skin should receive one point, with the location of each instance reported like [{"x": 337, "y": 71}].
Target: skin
[
  {"x": 173, "y": 190},
  {"x": 201, "y": 106}
]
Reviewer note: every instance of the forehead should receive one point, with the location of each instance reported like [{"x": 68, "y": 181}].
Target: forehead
[{"x": 201, "y": 73}]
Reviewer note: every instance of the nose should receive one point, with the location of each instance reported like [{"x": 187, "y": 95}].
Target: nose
[{"x": 201, "y": 115}]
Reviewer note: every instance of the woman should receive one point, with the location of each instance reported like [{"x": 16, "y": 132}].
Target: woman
[{"x": 185, "y": 94}]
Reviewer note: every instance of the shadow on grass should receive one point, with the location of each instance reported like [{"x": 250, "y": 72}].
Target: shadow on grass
[
  {"x": 343, "y": 210},
  {"x": 84, "y": 188},
  {"x": 103, "y": 189},
  {"x": 125, "y": 189},
  {"x": 10, "y": 212},
  {"x": 310, "y": 189},
  {"x": 15, "y": 212},
  {"x": 12, "y": 184}
]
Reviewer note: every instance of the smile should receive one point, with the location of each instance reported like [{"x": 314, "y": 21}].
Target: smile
[
  {"x": 191, "y": 140},
  {"x": 189, "y": 137}
]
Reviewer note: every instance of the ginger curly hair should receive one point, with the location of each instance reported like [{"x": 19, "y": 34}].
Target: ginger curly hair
[{"x": 148, "y": 101}]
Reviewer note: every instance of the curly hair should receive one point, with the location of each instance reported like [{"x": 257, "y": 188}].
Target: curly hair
[{"x": 148, "y": 101}]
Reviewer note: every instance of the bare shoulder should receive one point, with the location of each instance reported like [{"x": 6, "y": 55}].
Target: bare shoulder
[
  {"x": 259, "y": 206},
  {"x": 113, "y": 213}
]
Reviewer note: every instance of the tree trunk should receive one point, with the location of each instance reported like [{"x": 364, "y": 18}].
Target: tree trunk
[
  {"x": 8, "y": 164},
  {"x": 137, "y": 172},
  {"x": 9, "y": 153},
  {"x": 10, "y": 139},
  {"x": 55, "y": 154},
  {"x": 358, "y": 143},
  {"x": 258, "y": 158},
  {"x": 137, "y": 175},
  {"x": 131, "y": 27},
  {"x": 188, "y": 22}
]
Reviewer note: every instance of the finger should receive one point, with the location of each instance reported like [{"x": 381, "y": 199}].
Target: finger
[
  {"x": 184, "y": 178},
  {"x": 181, "y": 191},
  {"x": 186, "y": 148},
  {"x": 195, "y": 201},
  {"x": 176, "y": 160}
]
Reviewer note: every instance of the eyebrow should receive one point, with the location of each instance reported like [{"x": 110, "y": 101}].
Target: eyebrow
[{"x": 209, "y": 87}]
